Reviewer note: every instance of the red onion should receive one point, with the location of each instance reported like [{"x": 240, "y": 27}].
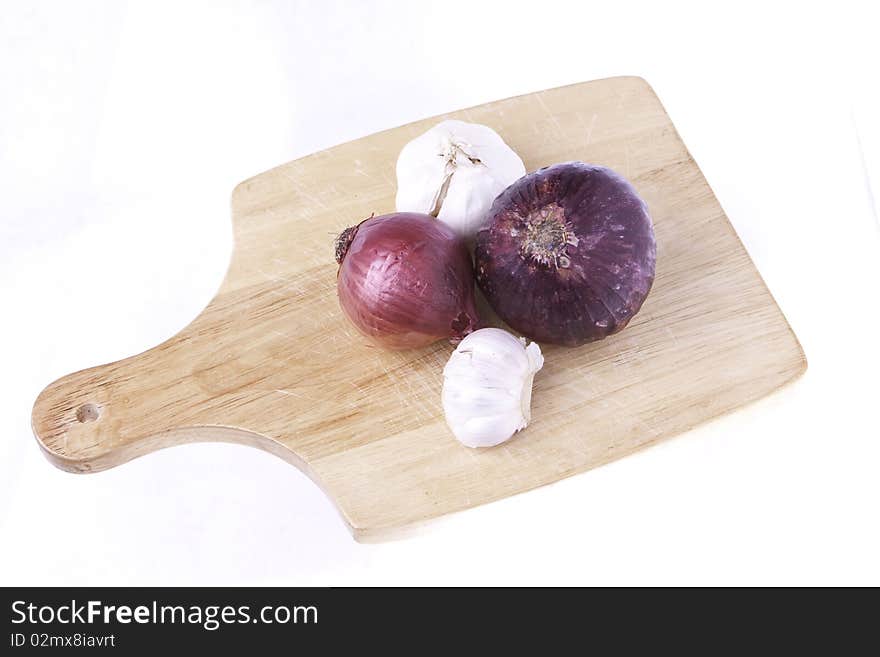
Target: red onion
[
  {"x": 567, "y": 253},
  {"x": 406, "y": 280}
]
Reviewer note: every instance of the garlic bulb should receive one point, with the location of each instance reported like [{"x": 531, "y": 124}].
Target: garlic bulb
[
  {"x": 487, "y": 386},
  {"x": 453, "y": 172}
]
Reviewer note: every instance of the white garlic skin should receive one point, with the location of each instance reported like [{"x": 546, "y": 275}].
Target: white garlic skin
[
  {"x": 454, "y": 171},
  {"x": 487, "y": 387}
]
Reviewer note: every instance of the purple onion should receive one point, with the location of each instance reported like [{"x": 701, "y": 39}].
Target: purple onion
[
  {"x": 567, "y": 254},
  {"x": 405, "y": 280}
]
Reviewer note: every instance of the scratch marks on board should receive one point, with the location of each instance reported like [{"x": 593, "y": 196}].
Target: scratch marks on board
[
  {"x": 292, "y": 393},
  {"x": 301, "y": 189},
  {"x": 560, "y": 133},
  {"x": 590, "y": 127}
]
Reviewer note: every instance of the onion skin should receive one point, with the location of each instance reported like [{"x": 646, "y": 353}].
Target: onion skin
[
  {"x": 567, "y": 254},
  {"x": 406, "y": 280}
]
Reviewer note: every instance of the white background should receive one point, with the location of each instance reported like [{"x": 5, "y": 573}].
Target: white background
[{"x": 124, "y": 127}]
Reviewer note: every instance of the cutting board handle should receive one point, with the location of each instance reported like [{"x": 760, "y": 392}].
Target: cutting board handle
[{"x": 100, "y": 417}]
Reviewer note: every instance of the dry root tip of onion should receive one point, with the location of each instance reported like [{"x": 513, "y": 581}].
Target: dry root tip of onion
[{"x": 343, "y": 241}]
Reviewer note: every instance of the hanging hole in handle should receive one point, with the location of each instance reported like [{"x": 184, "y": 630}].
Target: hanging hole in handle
[{"x": 88, "y": 413}]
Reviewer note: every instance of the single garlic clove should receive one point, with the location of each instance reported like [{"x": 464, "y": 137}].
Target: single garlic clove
[
  {"x": 454, "y": 171},
  {"x": 487, "y": 387}
]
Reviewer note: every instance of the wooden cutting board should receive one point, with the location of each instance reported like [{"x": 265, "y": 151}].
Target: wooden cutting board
[{"x": 272, "y": 363}]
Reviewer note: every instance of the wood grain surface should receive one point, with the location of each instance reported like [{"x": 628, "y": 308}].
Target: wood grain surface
[{"x": 271, "y": 362}]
